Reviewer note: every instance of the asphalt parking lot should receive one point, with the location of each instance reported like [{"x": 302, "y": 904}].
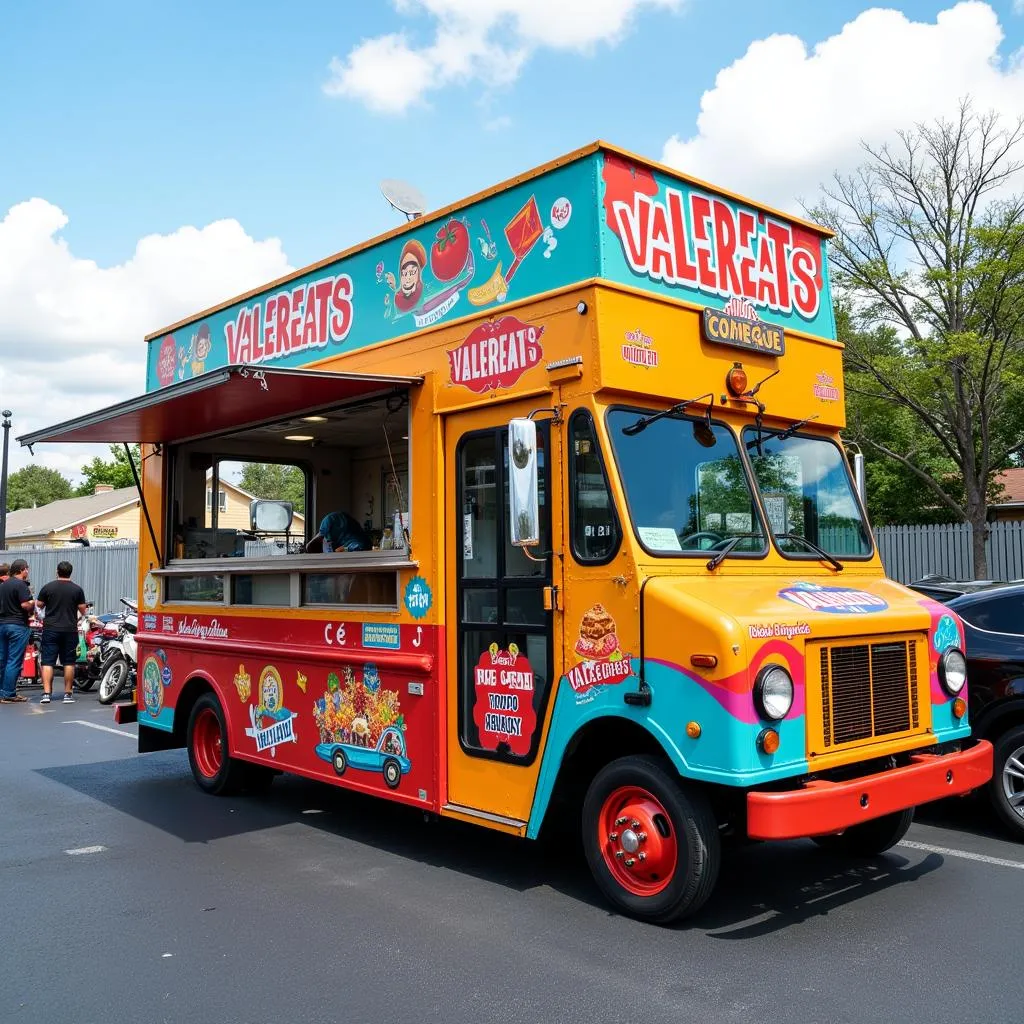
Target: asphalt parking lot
[{"x": 133, "y": 897}]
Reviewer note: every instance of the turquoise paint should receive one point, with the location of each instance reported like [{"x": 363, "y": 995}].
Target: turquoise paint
[
  {"x": 543, "y": 234},
  {"x": 163, "y": 721}
]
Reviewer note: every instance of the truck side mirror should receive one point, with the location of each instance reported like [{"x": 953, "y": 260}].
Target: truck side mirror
[{"x": 523, "y": 483}]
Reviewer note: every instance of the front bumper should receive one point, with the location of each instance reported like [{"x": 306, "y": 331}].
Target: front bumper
[{"x": 821, "y": 807}]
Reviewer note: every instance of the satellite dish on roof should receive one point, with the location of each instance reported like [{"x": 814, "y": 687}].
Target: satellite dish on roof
[{"x": 404, "y": 197}]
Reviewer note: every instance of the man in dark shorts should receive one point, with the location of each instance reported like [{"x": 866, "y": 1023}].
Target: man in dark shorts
[
  {"x": 15, "y": 604},
  {"x": 62, "y": 601}
]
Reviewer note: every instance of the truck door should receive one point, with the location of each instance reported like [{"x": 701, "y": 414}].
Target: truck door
[{"x": 503, "y": 631}]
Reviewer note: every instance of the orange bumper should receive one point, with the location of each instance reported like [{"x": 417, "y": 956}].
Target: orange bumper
[{"x": 820, "y": 807}]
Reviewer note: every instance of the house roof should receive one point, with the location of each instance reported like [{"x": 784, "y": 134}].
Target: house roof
[
  {"x": 1013, "y": 486},
  {"x": 62, "y": 515}
]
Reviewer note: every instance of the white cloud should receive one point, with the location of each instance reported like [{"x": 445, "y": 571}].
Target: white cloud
[
  {"x": 781, "y": 119},
  {"x": 71, "y": 331},
  {"x": 489, "y": 40}
]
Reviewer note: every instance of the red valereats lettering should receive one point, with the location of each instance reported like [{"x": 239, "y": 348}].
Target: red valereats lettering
[
  {"x": 504, "y": 711},
  {"x": 306, "y": 317},
  {"x": 695, "y": 240},
  {"x": 496, "y": 354}
]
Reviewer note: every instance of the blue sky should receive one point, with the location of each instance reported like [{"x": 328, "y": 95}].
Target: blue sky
[
  {"x": 178, "y": 154},
  {"x": 140, "y": 117}
]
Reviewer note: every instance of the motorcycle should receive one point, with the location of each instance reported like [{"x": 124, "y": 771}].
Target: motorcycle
[
  {"x": 119, "y": 665},
  {"x": 94, "y": 647}
]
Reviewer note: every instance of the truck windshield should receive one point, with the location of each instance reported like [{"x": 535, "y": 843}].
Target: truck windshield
[
  {"x": 686, "y": 486},
  {"x": 806, "y": 492}
]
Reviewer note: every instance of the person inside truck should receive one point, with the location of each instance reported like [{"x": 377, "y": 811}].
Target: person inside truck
[{"x": 339, "y": 532}]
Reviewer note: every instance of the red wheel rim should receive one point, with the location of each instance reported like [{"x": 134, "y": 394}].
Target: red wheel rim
[
  {"x": 637, "y": 840},
  {"x": 208, "y": 743}
]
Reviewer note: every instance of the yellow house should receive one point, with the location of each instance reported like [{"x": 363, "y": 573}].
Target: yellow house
[{"x": 110, "y": 515}]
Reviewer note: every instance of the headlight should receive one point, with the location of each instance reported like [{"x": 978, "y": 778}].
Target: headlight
[
  {"x": 953, "y": 671},
  {"x": 773, "y": 692}
]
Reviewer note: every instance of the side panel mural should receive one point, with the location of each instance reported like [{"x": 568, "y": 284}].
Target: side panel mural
[
  {"x": 333, "y": 700},
  {"x": 529, "y": 239}
]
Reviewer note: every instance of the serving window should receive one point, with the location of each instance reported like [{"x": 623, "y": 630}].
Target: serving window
[{"x": 303, "y": 511}]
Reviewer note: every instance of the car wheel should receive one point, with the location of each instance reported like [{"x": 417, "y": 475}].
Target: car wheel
[
  {"x": 651, "y": 843},
  {"x": 213, "y": 768},
  {"x": 1006, "y": 790},
  {"x": 339, "y": 761},
  {"x": 871, "y": 837},
  {"x": 392, "y": 773}
]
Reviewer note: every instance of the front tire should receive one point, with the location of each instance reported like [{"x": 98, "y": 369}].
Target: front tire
[
  {"x": 651, "y": 843},
  {"x": 213, "y": 768},
  {"x": 870, "y": 838},
  {"x": 115, "y": 676},
  {"x": 1006, "y": 790}
]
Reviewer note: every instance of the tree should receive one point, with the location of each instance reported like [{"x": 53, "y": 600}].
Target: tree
[
  {"x": 929, "y": 251},
  {"x": 272, "y": 480},
  {"x": 116, "y": 473},
  {"x": 36, "y": 485}
]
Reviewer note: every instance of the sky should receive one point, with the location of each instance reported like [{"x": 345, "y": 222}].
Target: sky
[{"x": 156, "y": 159}]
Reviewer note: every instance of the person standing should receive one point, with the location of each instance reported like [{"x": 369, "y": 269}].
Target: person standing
[
  {"x": 15, "y": 604},
  {"x": 63, "y": 601}
]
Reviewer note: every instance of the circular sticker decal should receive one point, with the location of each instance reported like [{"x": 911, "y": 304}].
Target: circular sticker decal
[
  {"x": 946, "y": 634},
  {"x": 418, "y": 597},
  {"x": 150, "y": 591},
  {"x": 152, "y": 686},
  {"x": 835, "y": 600},
  {"x": 561, "y": 211}
]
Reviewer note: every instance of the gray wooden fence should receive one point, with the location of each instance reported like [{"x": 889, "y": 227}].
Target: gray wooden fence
[
  {"x": 910, "y": 552},
  {"x": 106, "y": 572}
]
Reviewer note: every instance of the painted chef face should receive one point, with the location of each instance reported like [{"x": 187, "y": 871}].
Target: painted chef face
[{"x": 410, "y": 277}]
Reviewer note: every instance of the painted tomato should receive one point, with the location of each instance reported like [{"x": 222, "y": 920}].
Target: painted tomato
[
  {"x": 450, "y": 251},
  {"x": 166, "y": 361}
]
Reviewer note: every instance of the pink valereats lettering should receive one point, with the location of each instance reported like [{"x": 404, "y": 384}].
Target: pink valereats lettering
[
  {"x": 308, "y": 316},
  {"x": 496, "y": 354},
  {"x": 504, "y": 712},
  {"x": 692, "y": 239}
]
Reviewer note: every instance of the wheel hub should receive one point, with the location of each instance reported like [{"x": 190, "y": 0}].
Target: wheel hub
[
  {"x": 1013, "y": 781},
  {"x": 637, "y": 841}
]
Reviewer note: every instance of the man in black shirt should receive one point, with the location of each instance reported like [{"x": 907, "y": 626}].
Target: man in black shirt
[
  {"x": 15, "y": 604},
  {"x": 63, "y": 602}
]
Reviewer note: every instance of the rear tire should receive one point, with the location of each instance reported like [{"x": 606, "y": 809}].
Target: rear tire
[
  {"x": 640, "y": 803},
  {"x": 213, "y": 768},
  {"x": 870, "y": 838},
  {"x": 114, "y": 679},
  {"x": 1007, "y": 782}
]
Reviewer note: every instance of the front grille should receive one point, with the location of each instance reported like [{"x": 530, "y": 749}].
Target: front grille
[{"x": 868, "y": 690}]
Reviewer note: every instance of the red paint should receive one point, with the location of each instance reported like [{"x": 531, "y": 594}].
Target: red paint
[
  {"x": 496, "y": 354},
  {"x": 449, "y": 251},
  {"x": 503, "y": 710},
  {"x": 820, "y": 807},
  {"x": 166, "y": 361},
  {"x": 652, "y": 874}
]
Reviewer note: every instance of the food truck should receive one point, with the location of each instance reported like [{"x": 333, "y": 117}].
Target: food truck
[{"x": 609, "y": 560}]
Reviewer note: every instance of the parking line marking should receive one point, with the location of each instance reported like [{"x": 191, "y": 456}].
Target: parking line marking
[
  {"x": 85, "y": 849},
  {"x": 984, "y": 858},
  {"x": 103, "y": 728}
]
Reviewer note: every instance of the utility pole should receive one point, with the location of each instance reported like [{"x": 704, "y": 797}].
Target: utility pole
[{"x": 3, "y": 481}]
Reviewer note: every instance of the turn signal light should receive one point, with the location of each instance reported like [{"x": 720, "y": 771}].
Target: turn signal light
[
  {"x": 736, "y": 380},
  {"x": 959, "y": 707},
  {"x": 768, "y": 741},
  {"x": 693, "y": 730},
  {"x": 703, "y": 660}
]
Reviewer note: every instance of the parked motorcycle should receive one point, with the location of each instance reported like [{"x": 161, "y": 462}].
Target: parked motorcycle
[
  {"x": 119, "y": 665},
  {"x": 95, "y": 647}
]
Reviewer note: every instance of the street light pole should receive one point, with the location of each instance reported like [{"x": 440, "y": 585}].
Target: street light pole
[{"x": 3, "y": 481}]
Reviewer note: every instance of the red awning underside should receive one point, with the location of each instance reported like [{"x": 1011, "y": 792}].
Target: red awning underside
[{"x": 231, "y": 398}]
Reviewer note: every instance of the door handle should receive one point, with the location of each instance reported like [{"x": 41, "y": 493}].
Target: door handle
[{"x": 552, "y": 599}]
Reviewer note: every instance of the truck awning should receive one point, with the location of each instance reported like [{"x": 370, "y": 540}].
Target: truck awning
[{"x": 230, "y": 398}]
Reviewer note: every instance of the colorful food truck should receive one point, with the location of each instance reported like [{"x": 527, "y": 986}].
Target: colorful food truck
[{"x": 601, "y": 553}]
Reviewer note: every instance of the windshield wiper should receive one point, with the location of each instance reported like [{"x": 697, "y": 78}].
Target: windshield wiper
[
  {"x": 834, "y": 562},
  {"x": 779, "y": 435},
  {"x": 646, "y": 421},
  {"x": 714, "y": 563}
]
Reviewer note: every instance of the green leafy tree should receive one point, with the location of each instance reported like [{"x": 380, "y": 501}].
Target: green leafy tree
[
  {"x": 36, "y": 485},
  {"x": 117, "y": 472},
  {"x": 272, "y": 480},
  {"x": 929, "y": 251}
]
